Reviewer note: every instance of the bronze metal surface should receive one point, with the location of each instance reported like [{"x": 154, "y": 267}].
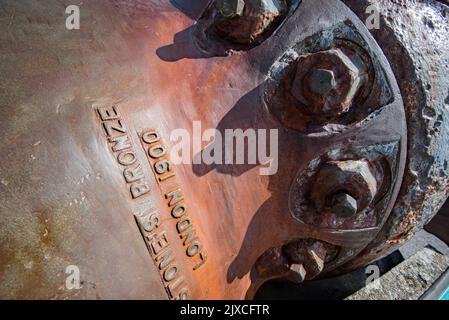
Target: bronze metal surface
[{"x": 86, "y": 176}]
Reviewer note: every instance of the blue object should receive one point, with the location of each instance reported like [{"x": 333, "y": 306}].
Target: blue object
[{"x": 445, "y": 294}]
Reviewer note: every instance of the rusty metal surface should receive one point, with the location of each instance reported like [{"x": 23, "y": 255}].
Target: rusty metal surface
[
  {"x": 414, "y": 36},
  {"x": 86, "y": 118}
]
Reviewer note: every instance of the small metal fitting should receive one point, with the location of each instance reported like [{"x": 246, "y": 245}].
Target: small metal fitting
[
  {"x": 322, "y": 81},
  {"x": 338, "y": 184},
  {"x": 297, "y": 273},
  {"x": 326, "y": 82},
  {"x": 245, "y": 22}
]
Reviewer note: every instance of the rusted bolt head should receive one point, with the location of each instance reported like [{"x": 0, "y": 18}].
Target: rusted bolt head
[
  {"x": 244, "y": 22},
  {"x": 350, "y": 177},
  {"x": 322, "y": 81},
  {"x": 344, "y": 205},
  {"x": 231, "y": 8},
  {"x": 307, "y": 257},
  {"x": 326, "y": 83},
  {"x": 297, "y": 273}
]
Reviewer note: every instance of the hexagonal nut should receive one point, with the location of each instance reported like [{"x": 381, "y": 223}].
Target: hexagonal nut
[
  {"x": 333, "y": 100},
  {"x": 353, "y": 177},
  {"x": 231, "y": 8},
  {"x": 247, "y": 25},
  {"x": 309, "y": 253}
]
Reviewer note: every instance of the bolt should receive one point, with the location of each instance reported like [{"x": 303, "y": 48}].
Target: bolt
[
  {"x": 322, "y": 81},
  {"x": 307, "y": 257},
  {"x": 356, "y": 177},
  {"x": 344, "y": 205},
  {"x": 297, "y": 273},
  {"x": 245, "y": 22},
  {"x": 326, "y": 83},
  {"x": 231, "y": 8}
]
